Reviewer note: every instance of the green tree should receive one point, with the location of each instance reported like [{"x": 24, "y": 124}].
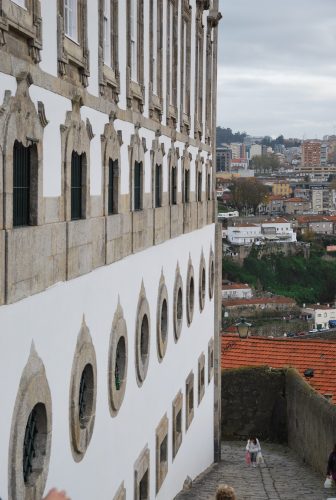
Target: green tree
[
  {"x": 265, "y": 164},
  {"x": 248, "y": 193}
]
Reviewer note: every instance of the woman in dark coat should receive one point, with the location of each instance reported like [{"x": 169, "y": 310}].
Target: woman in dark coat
[{"x": 331, "y": 470}]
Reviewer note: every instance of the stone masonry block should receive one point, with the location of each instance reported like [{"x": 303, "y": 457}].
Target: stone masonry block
[
  {"x": 27, "y": 274},
  {"x": 176, "y": 220},
  {"x": 142, "y": 229},
  {"x": 161, "y": 224},
  {"x": 118, "y": 237}
]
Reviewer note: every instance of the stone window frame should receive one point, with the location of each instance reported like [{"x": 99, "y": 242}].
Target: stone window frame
[
  {"x": 185, "y": 58},
  {"x": 212, "y": 273},
  {"x": 177, "y": 435},
  {"x": 25, "y": 22},
  {"x": 111, "y": 142},
  {"x": 71, "y": 52},
  {"x": 189, "y": 413},
  {"x": 199, "y": 47},
  {"x": 178, "y": 322},
  {"x": 121, "y": 492},
  {"x": 210, "y": 359},
  {"x": 157, "y": 153},
  {"x": 109, "y": 75},
  {"x": 33, "y": 390},
  {"x": 142, "y": 311},
  {"x": 199, "y": 171},
  {"x": 155, "y": 102},
  {"x": 29, "y": 132},
  {"x": 173, "y": 157},
  {"x": 76, "y": 135},
  {"x": 80, "y": 435},
  {"x": 118, "y": 331},
  {"x": 186, "y": 161},
  {"x": 171, "y": 101},
  {"x": 161, "y": 435},
  {"x": 135, "y": 90},
  {"x": 190, "y": 301},
  {"x": 201, "y": 377},
  {"x": 136, "y": 153},
  {"x": 161, "y": 341},
  {"x": 201, "y": 289},
  {"x": 141, "y": 468}
]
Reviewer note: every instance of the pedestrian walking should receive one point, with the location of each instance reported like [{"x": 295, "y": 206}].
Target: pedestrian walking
[
  {"x": 225, "y": 492},
  {"x": 253, "y": 447},
  {"x": 331, "y": 469}
]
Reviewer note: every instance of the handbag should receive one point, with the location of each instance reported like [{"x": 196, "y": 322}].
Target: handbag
[
  {"x": 260, "y": 458},
  {"x": 247, "y": 457},
  {"x": 328, "y": 482}
]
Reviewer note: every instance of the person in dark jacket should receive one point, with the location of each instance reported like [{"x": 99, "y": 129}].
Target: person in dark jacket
[{"x": 331, "y": 469}]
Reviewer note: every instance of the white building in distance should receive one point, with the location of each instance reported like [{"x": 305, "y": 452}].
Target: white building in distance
[
  {"x": 109, "y": 289},
  {"x": 277, "y": 230}
]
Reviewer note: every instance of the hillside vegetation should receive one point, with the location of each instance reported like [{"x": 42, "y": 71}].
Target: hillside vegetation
[{"x": 305, "y": 280}]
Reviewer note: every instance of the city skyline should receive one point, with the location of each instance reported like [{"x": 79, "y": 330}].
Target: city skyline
[{"x": 276, "y": 68}]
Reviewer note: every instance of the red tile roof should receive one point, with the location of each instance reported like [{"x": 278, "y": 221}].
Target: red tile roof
[
  {"x": 320, "y": 355},
  {"x": 258, "y": 300},
  {"x": 295, "y": 200},
  {"x": 316, "y": 218}
]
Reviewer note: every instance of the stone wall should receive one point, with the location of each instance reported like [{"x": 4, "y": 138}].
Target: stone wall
[
  {"x": 311, "y": 422},
  {"x": 253, "y": 402}
]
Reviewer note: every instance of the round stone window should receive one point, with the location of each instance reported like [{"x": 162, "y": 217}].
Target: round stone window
[
  {"x": 178, "y": 305},
  {"x": 83, "y": 392},
  {"x": 202, "y": 284},
  {"x": 118, "y": 359},
  {"x": 142, "y": 337},
  {"x": 211, "y": 275},
  {"x": 190, "y": 293},
  {"x": 162, "y": 319}
]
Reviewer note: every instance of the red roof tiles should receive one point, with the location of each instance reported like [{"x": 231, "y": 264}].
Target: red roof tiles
[
  {"x": 236, "y": 286},
  {"x": 320, "y": 355}
]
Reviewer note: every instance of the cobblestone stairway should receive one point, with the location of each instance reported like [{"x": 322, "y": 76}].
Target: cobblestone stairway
[{"x": 282, "y": 477}]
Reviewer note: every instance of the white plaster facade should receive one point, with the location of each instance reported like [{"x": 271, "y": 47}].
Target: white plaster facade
[{"x": 320, "y": 316}]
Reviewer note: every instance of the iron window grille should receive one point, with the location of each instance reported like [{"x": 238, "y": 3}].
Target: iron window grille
[
  {"x": 29, "y": 445},
  {"x": 21, "y": 184},
  {"x": 174, "y": 186},
  {"x": 137, "y": 185},
  {"x": 76, "y": 186},
  {"x": 186, "y": 186},
  {"x": 112, "y": 187},
  {"x": 199, "y": 187},
  {"x": 158, "y": 182}
]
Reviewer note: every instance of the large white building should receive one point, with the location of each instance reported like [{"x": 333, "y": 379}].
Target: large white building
[
  {"x": 277, "y": 230},
  {"x": 109, "y": 275}
]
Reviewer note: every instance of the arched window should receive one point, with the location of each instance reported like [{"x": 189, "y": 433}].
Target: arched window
[{"x": 24, "y": 185}]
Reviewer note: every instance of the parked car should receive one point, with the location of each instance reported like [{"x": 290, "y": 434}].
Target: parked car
[
  {"x": 290, "y": 334},
  {"x": 314, "y": 330}
]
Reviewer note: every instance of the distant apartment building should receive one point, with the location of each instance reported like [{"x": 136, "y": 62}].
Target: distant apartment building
[
  {"x": 223, "y": 159},
  {"x": 239, "y": 164},
  {"x": 274, "y": 205},
  {"x": 320, "y": 173},
  {"x": 319, "y": 224},
  {"x": 255, "y": 150},
  {"x": 277, "y": 230},
  {"x": 324, "y": 153},
  {"x": 319, "y": 315},
  {"x": 321, "y": 198},
  {"x": 281, "y": 188},
  {"x": 236, "y": 291},
  {"x": 296, "y": 205},
  {"x": 238, "y": 150},
  {"x": 311, "y": 153}
]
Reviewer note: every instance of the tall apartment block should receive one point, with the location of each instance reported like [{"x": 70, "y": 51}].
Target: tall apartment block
[
  {"x": 109, "y": 270},
  {"x": 311, "y": 153}
]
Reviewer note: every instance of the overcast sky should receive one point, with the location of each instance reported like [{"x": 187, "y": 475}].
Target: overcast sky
[{"x": 277, "y": 67}]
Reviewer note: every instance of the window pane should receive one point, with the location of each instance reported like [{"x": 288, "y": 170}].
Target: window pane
[
  {"x": 107, "y": 32},
  {"x": 158, "y": 174},
  {"x": 134, "y": 46},
  {"x": 174, "y": 186},
  {"x": 70, "y": 19},
  {"x": 137, "y": 185},
  {"x": 155, "y": 27}
]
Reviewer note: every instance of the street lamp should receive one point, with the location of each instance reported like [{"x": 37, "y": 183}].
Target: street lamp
[{"x": 243, "y": 328}]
